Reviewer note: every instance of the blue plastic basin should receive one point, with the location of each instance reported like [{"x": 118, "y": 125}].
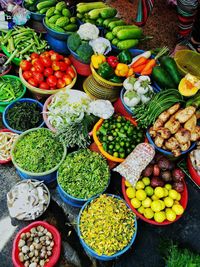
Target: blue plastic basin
[{"x": 56, "y": 35}]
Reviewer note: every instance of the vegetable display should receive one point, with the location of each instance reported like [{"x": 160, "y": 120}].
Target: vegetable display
[
  {"x": 10, "y": 88},
  {"x": 38, "y": 151},
  {"x": 119, "y": 136},
  {"x": 20, "y": 42},
  {"x": 59, "y": 18},
  {"x": 107, "y": 225},
  {"x": 24, "y": 115},
  {"x": 175, "y": 129},
  {"x": 48, "y": 70},
  {"x": 84, "y": 174},
  {"x": 6, "y": 141}
]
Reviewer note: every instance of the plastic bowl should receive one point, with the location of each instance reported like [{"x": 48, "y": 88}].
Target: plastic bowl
[
  {"x": 43, "y": 92},
  {"x": 56, "y": 249},
  {"x": 91, "y": 251},
  {"x": 165, "y": 152},
  {"x": 183, "y": 202},
  {"x": 99, "y": 144},
  {"x": 194, "y": 175},
  {"x": 4, "y": 104},
  {"x": 15, "y": 60},
  {"x": 57, "y": 35},
  {"x": 81, "y": 68},
  {"x": 28, "y": 100},
  {"x": 5, "y": 72},
  {"x": 59, "y": 46},
  {"x": 48, "y": 176},
  {"x": 188, "y": 62},
  {"x": 9, "y": 159}
]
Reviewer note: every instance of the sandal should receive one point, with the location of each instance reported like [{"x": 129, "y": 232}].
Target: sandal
[{"x": 193, "y": 46}]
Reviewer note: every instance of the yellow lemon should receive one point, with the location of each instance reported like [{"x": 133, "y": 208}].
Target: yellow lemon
[
  {"x": 135, "y": 203},
  {"x": 141, "y": 194},
  {"x": 147, "y": 202},
  {"x": 168, "y": 202},
  {"x": 139, "y": 185},
  {"x": 170, "y": 215},
  {"x": 178, "y": 209},
  {"x": 178, "y": 196},
  {"x": 141, "y": 210},
  {"x": 159, "y": 192},
  {"x": 166, "y": 192},
  {"x": 127, "y": 184},
  {"x": 162, "y": 204},
  {"x": 146, "y": 180},
  {"x": 148, "y": 213},
  {"x": 173, "y": 194},
  {"x": 154, "y": 197},
  {"x": 149, "y": 191},
  {"x": 130, "y": 191},
  {"x": 168, "y": 186},
  {"x": 159, "y": 216},
  {"x": 156, "y": 206}
]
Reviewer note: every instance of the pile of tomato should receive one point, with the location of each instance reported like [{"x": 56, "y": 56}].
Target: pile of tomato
[{"x": 48, "y": 71}]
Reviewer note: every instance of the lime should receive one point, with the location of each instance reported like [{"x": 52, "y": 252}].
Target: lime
[
  {"x": 154, "y": 197},
  {"x": 148, "y": 213},
  {"x": 159, "y": 192},
  {"x": 156, "y": 206},
  {"x": 168, "y": 202},
  {"x": 178, "y": 209},
  {"x": 139, "y": 185},
  {"x": 166, "y": 192},
  {"x": 127, "y": 184},
  {"x": 149, "y": 191},
  {"x": 173, "y": 194},
  {"x": 159, "y": 216},
  {"x": 141, "y": 194},
  {"x": 178, "y": 196},
  {"x": 168, "y": 186},
  {"x": 147, "y": 202},
  {"x": 130, "y": 191},
  {"x": 141, "y": 210},
  {"x": 162, "y": 204},
  {"x": 146, "y": 180},
  {"x": 170, "y": 215},
  {"x": 135, "y": 203}
]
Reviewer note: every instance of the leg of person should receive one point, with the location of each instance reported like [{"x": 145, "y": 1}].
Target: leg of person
[
  {"x": 144, "y": 10},
  {"x": 195, "y": 36}
]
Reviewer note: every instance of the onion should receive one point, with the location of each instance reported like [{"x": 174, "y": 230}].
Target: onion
[
  {"x": 156, "y": 181},
  {"x": 178, "y": 175},
  {"x": 178, "y": 186}
]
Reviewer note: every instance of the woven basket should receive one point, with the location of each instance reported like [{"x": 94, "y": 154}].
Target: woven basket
[{"x": 98, "y": 91}]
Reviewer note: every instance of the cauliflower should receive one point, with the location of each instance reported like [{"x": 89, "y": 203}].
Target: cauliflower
[
  {"x": 101, "y": 45},
  {"x": 88, "y": 31},
  {"x": 131, "y": 98}
]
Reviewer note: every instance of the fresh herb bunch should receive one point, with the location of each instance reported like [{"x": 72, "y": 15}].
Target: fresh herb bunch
[
  {"x": 146, "y": 114},
  {"x": 76, "y": 134},
  {"x": 10, "y": 89},
  {"x": 24, "y": 115},
  {"x": 38, "y": 151},
  {"x": 84, "y": 174}
]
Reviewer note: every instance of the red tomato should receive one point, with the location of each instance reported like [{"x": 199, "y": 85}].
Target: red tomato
[
  {"x": 27, "y": 74},
  {"x": 33, "y": 82},
  {"x": 45, "y": 54},
  {"x": 59, "y": 74},
  {"x": 44, "y": 85},
  {"x": 52, "y": 81},
  {"x": 25, "y": 65},
  {"x": 61, "y": 58},
  {"x": 34, "y": 56},
  {"x": 67, "y": 78},
  {"x": 46, "y": 61},
  {"x": 51, "y": 52},
  {"x": 32, "y": 69},
  {"x": 38, "y": 77},
  {"x": 71, "y": 72},
  {"x": 47, "y": 72},
  {"x": 39, "y": 66},
  {"x": 36, "y": 61},
  {"x": 63, "y": 66},
  {"x": 56, "y": 65},
  {"x": 55, "y": 56},
  {"x": 67, "y": 61},
  {"x": 60, "y": 83}
]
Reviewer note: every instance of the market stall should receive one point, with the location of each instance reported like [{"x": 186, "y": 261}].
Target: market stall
[{"x": 80, "y": 104}]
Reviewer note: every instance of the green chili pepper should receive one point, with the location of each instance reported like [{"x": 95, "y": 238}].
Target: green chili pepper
[{"x": 125, "y": 57}]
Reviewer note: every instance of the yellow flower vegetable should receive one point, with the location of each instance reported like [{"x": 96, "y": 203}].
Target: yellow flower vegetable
[
  {"x": 122, "y": 70},
  {"x": 97, "y": 60}
]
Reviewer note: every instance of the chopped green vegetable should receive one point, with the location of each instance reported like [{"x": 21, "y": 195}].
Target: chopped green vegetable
[
  {"x": 38, "y": 151},
  {"x": 10, "y": 89},
  {"x": 84, "y": 174},
  {"x": 107, "y": 225},
  {"x": 24, "y": 115}
]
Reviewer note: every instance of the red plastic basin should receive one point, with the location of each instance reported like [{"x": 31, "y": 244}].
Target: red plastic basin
[{"x": 193, "y": 173}]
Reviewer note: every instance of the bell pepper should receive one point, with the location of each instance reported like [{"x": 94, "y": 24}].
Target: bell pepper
[
  {"x": 112, "y": 61},
  {"x": 105, "y": 70},
  {"x": 115, "y": 79},
  {"x": 125, "y": 57},
  {"x": 97, "y": 60},
  {"x": 122, "y": 70}
]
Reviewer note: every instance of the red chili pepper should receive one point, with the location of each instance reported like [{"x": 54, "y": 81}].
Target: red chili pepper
[{"x": 112, "y": 61}]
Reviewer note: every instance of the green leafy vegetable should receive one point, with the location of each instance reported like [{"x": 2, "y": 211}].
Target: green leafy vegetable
[
  {"x": 38, "y": 151},
  {"x": 74, "y": 41},
  {"x": 84, "y": 174},
  {"x": 85, "y": 52}
]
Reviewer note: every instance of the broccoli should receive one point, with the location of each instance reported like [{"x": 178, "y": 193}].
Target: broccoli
[
  {"x": 74, "y": 41},
  {"x": 85, "y": 52}
]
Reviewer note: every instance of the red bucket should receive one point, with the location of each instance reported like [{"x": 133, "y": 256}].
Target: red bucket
[{"x": 81, "y": 68}]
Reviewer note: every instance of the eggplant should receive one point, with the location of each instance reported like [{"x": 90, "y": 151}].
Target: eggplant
[{"x": 156, "y": 181}]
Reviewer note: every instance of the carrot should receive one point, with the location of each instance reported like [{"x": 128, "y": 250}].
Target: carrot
[
  {"x": 139, "y": 62},
  {"x": 149, "y": 66},
  {"x": 139, "y": 68}
]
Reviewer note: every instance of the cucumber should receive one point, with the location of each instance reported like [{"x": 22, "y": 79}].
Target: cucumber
[
  {"x": 127, "y": 44},
  {"x": 90, "y": 6},
  {"x": 50, "y": 11},
  {"x": 129, "y": 34},
  {"x": 108, "y": 12},
  {"x": 80, "y": 16},
  {"x": 54, "y": 18},
  {"x": 44, "y": 4},
  {"x": 107, "y": 21},
  {"x": 115, "y": 41},
  {"x": 99, "y": 22},
  {"x": 73, "y": 20},
  {"x": 56, "y": 12},
  {"x": 62, "y": 22},
  {"x": 124, "y": 27},
  {"x": 71, "y": 27},
  {"x": 66, "y": 12},
  {"x": 92, "y": 21},
  {"x": 61, "y": 5},
  {"x": 113, "y": 24},
  {"x": 44, "y": 10},
  {"x": 162, "y": 78},
  {"x": 56, "y": 28},
  {"x": 109, "y": 36}
]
